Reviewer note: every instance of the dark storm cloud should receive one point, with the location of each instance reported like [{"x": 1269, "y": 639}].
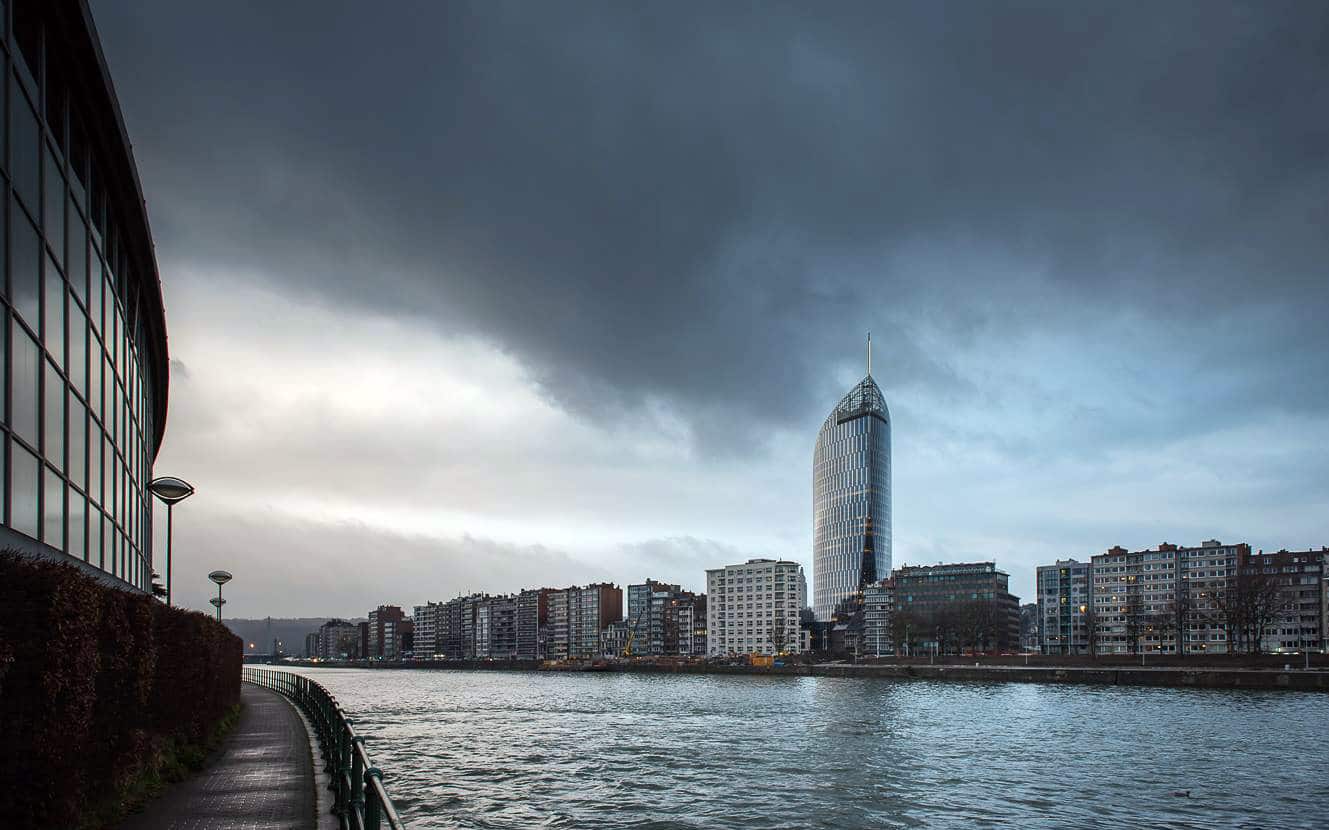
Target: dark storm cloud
[{"x": 705, "y": 205}]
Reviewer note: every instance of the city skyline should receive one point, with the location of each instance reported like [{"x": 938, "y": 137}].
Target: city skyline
[{"x": 453, "y": 333}]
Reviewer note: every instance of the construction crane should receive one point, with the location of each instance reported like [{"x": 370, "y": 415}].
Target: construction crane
[{"x": 632, "y": 629}]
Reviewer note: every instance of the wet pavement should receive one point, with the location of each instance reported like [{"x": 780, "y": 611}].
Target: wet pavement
[{"x": 262, "y": 779}]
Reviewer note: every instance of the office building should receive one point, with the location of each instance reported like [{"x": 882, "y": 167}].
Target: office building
[
  {"x": 1065, "y": 607},
  {"x": 851, "y": 497},
  {"x": 965, "y": 606},
  {"x": 87, "y": 358},
  {"x": 753, "y": 608}
]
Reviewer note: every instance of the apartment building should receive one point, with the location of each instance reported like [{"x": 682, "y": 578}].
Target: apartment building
[
  {"x": 1163, "y": 600},
  {"x": 383, "y": 634},
  {"x": 338, "y": 639},
  {"x": 878, "y": 618},
  {"x": 426, "y": 618},
  {"x": 1299, "y": 624},
  {"x": 753, "y": 608},
  {"x": 577, "y": 615},
  {"x": 1065, "y": 607},
  {"x": 685, "y": 632}
]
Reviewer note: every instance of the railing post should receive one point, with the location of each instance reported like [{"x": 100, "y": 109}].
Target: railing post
[
  {"x": 357, "y": 775},
  {"x": 373, "y": 809}
]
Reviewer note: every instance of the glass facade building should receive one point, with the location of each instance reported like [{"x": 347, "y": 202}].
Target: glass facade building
[
  {"x": 84, "y": 341},
  {"x": 851, "y": 498}
]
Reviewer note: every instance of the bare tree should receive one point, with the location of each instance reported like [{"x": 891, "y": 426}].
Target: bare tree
[
  {"x": 975, "y": 623},
  {"x": 1249, "y": 605},
  {"x": 1136, "y": 621},
  {"x": 779, "y": 637},
  {"x": 1174, "y": 619},
  {"x": 1090, "y": 617}
]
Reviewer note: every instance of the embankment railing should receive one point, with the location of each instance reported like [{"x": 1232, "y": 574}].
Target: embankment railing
[{"x": 360, "y": 802}]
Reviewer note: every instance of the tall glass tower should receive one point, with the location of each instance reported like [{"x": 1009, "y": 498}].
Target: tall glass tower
[{"x": 851, "y": 496}]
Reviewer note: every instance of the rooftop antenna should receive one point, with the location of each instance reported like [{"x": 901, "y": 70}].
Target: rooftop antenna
[{"x": 869, "y": 353}]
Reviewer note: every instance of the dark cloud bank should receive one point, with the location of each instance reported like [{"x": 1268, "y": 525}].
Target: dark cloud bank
[{"x": 706, "y": 204}]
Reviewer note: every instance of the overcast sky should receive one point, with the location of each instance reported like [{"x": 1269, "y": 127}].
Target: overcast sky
[{"x": 489, "y": 297}]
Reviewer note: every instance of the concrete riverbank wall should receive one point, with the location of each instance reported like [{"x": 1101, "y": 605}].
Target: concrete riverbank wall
[{"x": 1203, "y": 677}]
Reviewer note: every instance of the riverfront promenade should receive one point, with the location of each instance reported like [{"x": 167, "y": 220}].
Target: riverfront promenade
[{"x": 261, "y": 779}]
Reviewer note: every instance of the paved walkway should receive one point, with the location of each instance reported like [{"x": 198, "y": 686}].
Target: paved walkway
[{"x": 263, "y": 778}]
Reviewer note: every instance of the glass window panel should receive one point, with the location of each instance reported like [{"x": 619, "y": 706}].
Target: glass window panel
[
  {"x": 25, "y": 393},
  {"x": 25, "y": 148},
  {"x": 53, "y": 508},
  {"x": 78, "y": 507},
  {"x": 78, "y": 440},
  {"x": 97, "y": 203},
  {"x": 54, "y": 213},
  {"x": 108, "y": 308},
  {"x": 24, "y": 472},
  {"x": 77, "y": 367},
  {"x": 25, "y": 267},
  {"x": 94, "y": 292},
  {"x": 54, "y": 331},
  {"x": 94, "y": 462},
  {"x": 55, "y": 418},
  {"x": 95, "y": 538},
  {"x": 95, "y": 379},
  {"x": 110, "y": 399},
  {"x": 108, "y": 545},
  {"x": 78, "y": 159},
  {"x": 77, "y": 272},
  {"x": 108, "y": 474}
]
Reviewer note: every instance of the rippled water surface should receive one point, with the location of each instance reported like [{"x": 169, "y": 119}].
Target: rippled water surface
[{"x": 509, "y": 750}]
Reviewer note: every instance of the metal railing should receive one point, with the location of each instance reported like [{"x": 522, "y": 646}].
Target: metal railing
[{"x": 360, "y": 802}]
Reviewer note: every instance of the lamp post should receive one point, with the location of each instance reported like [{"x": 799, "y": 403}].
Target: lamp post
[
  {"x": 221, "y": 578},
  {"x": 171, "y": 490}
]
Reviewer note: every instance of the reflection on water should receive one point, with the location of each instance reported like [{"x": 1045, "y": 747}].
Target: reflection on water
[{"x": 510, "y": 750}]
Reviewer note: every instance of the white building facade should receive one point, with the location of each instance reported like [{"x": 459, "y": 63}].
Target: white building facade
[{"x": 753, "y": 608}]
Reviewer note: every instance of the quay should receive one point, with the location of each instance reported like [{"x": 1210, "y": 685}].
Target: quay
[{"x": 1197, "y": 676}]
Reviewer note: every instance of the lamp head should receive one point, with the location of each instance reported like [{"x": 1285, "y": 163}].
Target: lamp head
[
  {"x": 170, "y": 489},
  {"x": 217, "y": 601},
  {"x": 220, "y": 577}
]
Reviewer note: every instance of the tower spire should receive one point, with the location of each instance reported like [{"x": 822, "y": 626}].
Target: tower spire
[{"x": 869, "y": 353}]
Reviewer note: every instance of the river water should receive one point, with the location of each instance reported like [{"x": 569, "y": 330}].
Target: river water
[{"x": 518, "y": 750}]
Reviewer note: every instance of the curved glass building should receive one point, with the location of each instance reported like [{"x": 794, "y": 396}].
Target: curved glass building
[
  {"x": 84, "y": 339},
  {"x": 851, "y": 498}
]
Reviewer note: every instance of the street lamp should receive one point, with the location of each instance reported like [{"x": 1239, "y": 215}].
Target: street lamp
[
  {"x": 221, "y": 578},
  {"x": 171, "y": 490}
]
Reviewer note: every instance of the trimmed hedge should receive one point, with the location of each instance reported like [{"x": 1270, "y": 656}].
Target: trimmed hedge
[{"x": 97, "y": 685}]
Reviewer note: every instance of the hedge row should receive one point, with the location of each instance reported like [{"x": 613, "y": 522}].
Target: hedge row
[{"x": 95, "y": 684}]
